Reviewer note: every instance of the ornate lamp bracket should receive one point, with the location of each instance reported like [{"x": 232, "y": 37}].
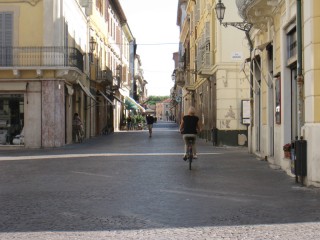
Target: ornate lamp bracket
[{"x": 243, "y": 26}]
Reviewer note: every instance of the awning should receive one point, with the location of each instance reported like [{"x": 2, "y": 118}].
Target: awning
[
  {"x": 86, "y": 90},
  {"x": 129, "y": 105},
  {"x": 135, "y": 103},
  {"x": 106, "y": 98},
  {"x": 128, "y": 98}
]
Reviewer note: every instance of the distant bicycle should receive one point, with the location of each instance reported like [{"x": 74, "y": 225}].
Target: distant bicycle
[
  {"x": 189, "y": 154},
  {"x": 79, "y": 133}
]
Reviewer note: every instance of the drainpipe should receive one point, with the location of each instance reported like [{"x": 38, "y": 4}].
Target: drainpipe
[
  {"x": 300, "y": 79},
  {"x": 251, "y": 93}
]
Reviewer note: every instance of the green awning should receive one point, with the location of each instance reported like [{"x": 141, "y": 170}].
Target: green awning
[{"x": 129, "y": 105}]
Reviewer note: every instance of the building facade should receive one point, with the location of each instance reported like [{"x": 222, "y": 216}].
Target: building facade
[
  {"x": 57, "y": 58},
  {"x": 209, "y": 71},
  {"x": 285, "y": 69},
  {"x": 164, "y": 110}
]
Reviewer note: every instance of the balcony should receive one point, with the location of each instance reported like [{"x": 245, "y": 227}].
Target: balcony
[
  {"x": 105, "y": 76},
  {"x": 204, "y": 60},
  {"x": 61, "y": 59},
  {"x": 180, "y": 77},
  {"x": 257, "y": 12}
]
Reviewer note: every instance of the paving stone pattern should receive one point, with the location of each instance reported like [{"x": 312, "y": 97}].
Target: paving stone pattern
[{"x": 128, "y": 186}]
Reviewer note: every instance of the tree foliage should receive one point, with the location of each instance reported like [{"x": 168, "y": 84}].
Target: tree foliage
[{"x": 152, "y": 100}]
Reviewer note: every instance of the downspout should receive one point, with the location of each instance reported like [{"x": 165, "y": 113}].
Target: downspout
[
  {"x": 300, "y": 79},
  {"x": 251, "y": 93}
]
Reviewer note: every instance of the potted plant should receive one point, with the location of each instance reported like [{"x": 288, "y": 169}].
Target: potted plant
[{"x": 287, "y": 150}]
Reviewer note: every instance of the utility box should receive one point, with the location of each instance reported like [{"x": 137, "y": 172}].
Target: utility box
[{"x": 300, "y": 157}]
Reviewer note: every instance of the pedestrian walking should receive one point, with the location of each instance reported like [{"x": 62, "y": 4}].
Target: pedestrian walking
[
  {"x": 150, "y": 121},
  {"x": 129, "y": 123}
]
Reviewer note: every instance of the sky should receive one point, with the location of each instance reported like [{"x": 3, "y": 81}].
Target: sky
[{"x": 153, "y": 24}]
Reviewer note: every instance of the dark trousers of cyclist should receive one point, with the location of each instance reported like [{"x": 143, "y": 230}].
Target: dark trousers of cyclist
[
  {"x": 194, "y": 149},
  {"x": 75, "y": 132}
]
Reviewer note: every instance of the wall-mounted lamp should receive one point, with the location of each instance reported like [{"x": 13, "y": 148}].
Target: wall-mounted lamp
[
  {"x": 173, "y": 76},
  {"x": 220, "y": 11},
  {"x": 92, "y": 45},
  {"x": 117, "y": 78}
]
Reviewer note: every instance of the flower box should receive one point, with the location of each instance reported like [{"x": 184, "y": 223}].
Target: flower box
[
  {"x": 287, "y": 154},
  {"x": 287, "y": 150}
]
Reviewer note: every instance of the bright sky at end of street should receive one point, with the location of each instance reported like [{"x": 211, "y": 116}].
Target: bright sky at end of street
[{"x": 153, "y": 24}]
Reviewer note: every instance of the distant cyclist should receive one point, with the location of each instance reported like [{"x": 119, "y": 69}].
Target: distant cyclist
[
  {"x": 77, "y": 127},
  {"x": 150, "y": 121},
  {"x": 189, "y": 127}
]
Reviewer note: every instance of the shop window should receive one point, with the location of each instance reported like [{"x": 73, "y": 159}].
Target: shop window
[{"x": 11, "y": 118}]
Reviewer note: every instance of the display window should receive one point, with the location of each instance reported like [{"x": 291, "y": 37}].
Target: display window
[{"x": 11, "y": 119}]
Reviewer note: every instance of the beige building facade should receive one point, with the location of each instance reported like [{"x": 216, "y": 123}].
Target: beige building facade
[
  {"x": 286, "y": 102},
  {"x": 209, "y": 71},
  {"x": 269, "y": 86}
]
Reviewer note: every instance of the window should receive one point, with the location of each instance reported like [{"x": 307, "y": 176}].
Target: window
[
  {"x": 106, "y": 11},
  {"x": 292, "y": 43},
  {"x": 6, "y": 38},
  {"x": 99, "y": 6}
]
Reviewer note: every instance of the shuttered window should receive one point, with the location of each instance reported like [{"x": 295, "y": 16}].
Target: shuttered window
[
  {"x": 6, "y": 28},
  {"x": 6, "y": 37}
]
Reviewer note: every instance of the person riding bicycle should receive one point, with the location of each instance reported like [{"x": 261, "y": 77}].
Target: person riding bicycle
[
  {"x": 77, "y": 127},
  {"x": 189, "y": 127},
  {"x": 150, "y": 121}
]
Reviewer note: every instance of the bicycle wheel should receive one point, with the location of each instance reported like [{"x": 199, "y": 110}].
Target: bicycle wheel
[{"x": 80, "y": 137}]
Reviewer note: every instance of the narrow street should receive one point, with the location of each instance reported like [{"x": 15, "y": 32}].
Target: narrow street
[{"x": 128, "y": 186}]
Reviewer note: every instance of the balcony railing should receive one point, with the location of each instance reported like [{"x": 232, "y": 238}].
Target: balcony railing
[
  {"x": 41, "y": 57},
  {"x": 105, "y": 75}
]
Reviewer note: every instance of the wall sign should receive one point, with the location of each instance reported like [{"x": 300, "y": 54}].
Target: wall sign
[{"x": 245, "y": 112}]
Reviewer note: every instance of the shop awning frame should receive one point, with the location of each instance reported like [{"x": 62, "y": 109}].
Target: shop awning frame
[
  {"x": 107, "y": 98},
  {"x": 118, "y": 99},
  {"x": 86, "y": 90}
]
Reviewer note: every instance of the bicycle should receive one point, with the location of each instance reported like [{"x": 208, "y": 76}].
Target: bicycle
[
  {"x": 189, "y": 154},
  {"x": 79, "y": 133}
]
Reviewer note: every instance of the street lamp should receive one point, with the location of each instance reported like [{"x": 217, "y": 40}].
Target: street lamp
[
  {"x": 173, "y": 76},
  {"x": 92, "y": 45},
  {"x": 220, "y": 10},
  {"x": 117, "y": 79}
]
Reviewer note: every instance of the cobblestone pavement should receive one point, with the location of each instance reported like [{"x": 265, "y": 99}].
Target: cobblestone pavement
[{"x": 129, "y": 186}]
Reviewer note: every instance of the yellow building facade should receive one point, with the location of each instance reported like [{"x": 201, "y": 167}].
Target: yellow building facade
[
  {"x": 58, "y": 58},
  {"x": 40, "y": 63}
]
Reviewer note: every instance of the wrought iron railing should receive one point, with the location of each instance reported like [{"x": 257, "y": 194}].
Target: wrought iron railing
[
  {"x": 41, "y": 57},
  {"x": 105, "y": 75}
]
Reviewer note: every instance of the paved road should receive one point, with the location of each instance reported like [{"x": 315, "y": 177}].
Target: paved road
[{"x": 129, "y": 186}]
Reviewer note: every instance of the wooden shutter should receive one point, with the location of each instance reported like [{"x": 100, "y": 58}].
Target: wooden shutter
[{"x": 6, "y": 38}]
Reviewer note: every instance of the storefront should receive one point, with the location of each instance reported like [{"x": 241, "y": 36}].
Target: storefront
[{"x": 11, "y": 119}]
